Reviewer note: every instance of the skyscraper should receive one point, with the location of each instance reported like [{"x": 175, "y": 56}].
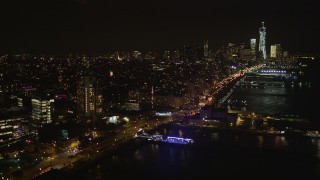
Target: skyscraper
[
  {"x": 253, "y": 46},
  {"x": 253, "y": 43},
  {"x": 262, "y": 41},
  {"x": 42, "y": 110},
  {"x": 89, "y": 100},
  {"x": 275, "y": 51}
]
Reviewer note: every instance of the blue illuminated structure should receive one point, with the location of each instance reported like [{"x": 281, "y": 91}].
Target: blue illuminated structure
[
  {"x": 163, "y": 113},
  {"x": 160, "y": 138},
  {"x": 178, "y": 140}
]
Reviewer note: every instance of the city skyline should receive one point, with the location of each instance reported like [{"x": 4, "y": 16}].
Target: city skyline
[
  {"x": 87, "y": 26},
  {"x": 184, "y": 89}
]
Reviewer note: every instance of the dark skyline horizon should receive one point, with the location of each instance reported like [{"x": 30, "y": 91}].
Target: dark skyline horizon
[{"x": 97, "y": 26}]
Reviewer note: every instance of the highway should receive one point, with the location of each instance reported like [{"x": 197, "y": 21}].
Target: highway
[
  {"x": 104, "y": 142},
  {"x": 219, "y": 86}
]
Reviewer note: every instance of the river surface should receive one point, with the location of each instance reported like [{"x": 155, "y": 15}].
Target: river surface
[{"x": 278, "y": 100}]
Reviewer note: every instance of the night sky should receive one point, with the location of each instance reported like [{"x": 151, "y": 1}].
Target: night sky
[{"x": 97, "y": 26}]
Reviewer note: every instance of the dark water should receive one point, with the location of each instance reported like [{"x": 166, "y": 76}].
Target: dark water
[
  {"x": 280, "y": 100},
  {"x": 215, "y": 154}
]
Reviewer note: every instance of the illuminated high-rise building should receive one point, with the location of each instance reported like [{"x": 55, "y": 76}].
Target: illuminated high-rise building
[
  {"x": 42, "y": 110},
  {"x": 262, "y": 41},
  {"x": 253, "y": 44},
  {"x": 275, "y": 51},
  {"x": 206, "y": 49},
  {"x": 89, "y": 99}
]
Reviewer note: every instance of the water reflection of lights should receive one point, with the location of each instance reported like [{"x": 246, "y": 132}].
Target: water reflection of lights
[
  {"x": 155, "y": 148},
  {"x": 318, "y": 147},
  {"x": 182, "y": 155},
  {"x": 260, "y": 141},
  {"x": 280, "y": 141},
  {"x": 215, "y": 136},
  {"x": 316, "y": 142},
  {"x": 180, "y": 133},
  {"x": 138, "y": 155}
]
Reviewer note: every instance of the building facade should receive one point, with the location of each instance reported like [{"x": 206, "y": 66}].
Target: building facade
[
  {"x": 262, "y": 41},
  {"x": 89, "y": 99},
  {"x": 42, "y": 110},
  {"x": 253, "y": 45},
  {"x": 275, "y": 51}
]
